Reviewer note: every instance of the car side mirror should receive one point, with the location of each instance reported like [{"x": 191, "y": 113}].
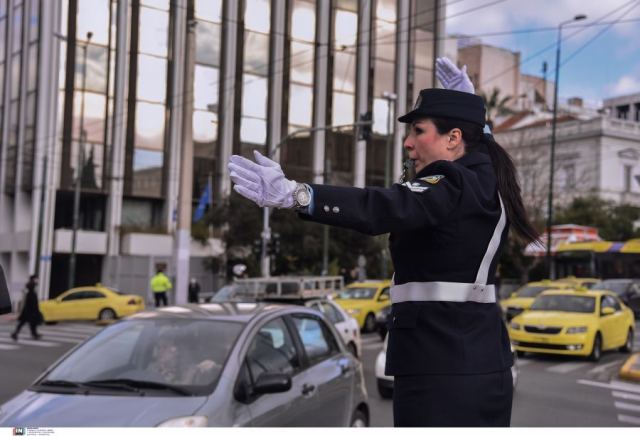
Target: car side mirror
[
  {"x": 607, "y": 311},
  {"x": 5, "y": 298},
  {"x": 271, "y": 383},
  {"x": 383, "y": 297}
]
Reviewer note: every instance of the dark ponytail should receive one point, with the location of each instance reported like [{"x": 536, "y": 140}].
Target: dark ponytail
[{"x": 506, "y": 174}]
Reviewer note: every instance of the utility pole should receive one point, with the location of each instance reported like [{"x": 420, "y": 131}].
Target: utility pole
[
  {"x": 325, "y": 229},
  {"x": 79, "y": 168},
  {"x": 391, "y": 98},
  {"x": 185, "y": 192}
]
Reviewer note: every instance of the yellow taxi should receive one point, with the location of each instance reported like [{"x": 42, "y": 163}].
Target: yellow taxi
[
  {"x": 521, "y": 298},
  {"x": 362, "y": 300},
  {"x": 90, "y": 303},
  {"x": 585, "y": 282},
  {"x": 579, "y": 322}
]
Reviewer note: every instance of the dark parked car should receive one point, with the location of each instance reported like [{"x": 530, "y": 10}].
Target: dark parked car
[
  {"x": 243, "y": 364},
  {"x": 627, "y": 289}
]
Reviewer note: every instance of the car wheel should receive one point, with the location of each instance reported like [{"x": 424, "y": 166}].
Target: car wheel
[
  {"x": 520, "y": 353},
  {"x": 370, "y": 323},
  {"x": 596, "y": 352},
  {"x": 384, "y": 391},
  {"x": 628, "y": 346},
  {"x": 106, "y": 315},
  {"x": 352, "y": 349},
  {"x": 382, "y": 331},
  {"x": 359, "y": 419}
]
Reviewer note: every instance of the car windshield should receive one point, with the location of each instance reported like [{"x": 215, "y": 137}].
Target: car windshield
[
  {"x": 357, "y": 293},
  {"x": 186, "y": 354},
  {"x": 565, "y": 303},
  {"x": 531, "y": 291},
  {"x": 617, "y": 286},
  {"x": 233, "y": 292}
]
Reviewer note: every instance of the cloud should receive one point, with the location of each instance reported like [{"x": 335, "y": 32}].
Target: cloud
[{"x": 625, "y": 85}]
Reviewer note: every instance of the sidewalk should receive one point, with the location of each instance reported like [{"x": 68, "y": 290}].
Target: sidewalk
[{"x": 631, "y": 368}]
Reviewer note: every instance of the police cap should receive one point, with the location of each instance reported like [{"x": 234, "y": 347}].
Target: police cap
[{"x": 446, "y": 103}]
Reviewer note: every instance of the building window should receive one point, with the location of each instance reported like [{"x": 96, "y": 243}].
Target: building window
[
  {"x": 622, "y": 112},
  {"x": 627, "y": 178}
]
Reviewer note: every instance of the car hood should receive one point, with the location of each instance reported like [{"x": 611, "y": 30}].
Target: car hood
[
  {"x": 552, "y": 318},
  {"x": 522, "y": 302},
  {"x": 351, "y": 304},
  {"x": 37, "y": 409}
]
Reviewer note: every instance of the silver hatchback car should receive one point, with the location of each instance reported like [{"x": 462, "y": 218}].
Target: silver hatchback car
[{"x": 229, "y": 364}]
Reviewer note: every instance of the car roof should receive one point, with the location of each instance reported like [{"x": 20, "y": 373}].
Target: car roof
[
  {"x": 369, "y": 283},
  {"x": 236, "y": 312},
  {"x": 578, "y": 292}
]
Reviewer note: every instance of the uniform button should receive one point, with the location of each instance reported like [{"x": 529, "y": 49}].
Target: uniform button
[
  {"x": 336, "y": 209},
  {"x": 326, "y": 208}
]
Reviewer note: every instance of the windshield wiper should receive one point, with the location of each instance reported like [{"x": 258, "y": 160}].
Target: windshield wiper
[
  {"x": 60, "y": 383},
  {"x": 138, "y": 384}
]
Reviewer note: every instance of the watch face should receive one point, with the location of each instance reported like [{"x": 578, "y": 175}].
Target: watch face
[{"x": 303, "y": 198}]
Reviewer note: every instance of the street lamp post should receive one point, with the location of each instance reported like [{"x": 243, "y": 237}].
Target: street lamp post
[
  {"x": 553, "y": 142},
  {"x": 265, "y": 267},
  {"x": 79, "y": 168},
  {"x": 391, "y": 98}
]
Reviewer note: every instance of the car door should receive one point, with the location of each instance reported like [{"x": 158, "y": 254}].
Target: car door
[
  {"x": 329, "y": 372},
  {"x": 272, "y": 349},
  {"x": 609, "y": 323},
  {"x": 383, "y": 299},
  {"x": 93, "y": 302},
  {"x": 69, "y": 307}
]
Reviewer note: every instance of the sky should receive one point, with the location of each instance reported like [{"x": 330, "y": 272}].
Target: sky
[{"x": 605, "y": 65}]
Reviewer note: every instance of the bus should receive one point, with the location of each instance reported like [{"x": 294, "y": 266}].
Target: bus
[{"x": 602, "y": 259}]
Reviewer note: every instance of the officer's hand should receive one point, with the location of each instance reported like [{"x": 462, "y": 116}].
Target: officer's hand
[
  {"x": 452, "y": 77},
  {"x": 262, "y": 182}
]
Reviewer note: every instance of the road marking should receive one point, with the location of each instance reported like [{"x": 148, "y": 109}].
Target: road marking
[
  {"x": 626, "y": 406},
  {"x": 523, "y": 362},
  {"x": 625, "y": 396},
  {"x": 603, "y": 367},
  {"x": 612, "y": 385},
  {"x": 63, "y": 340},
  {"x": 629, "y": 419},
  {"x": 372, "y": 346},
  {"x": 564, "y": 368},
  {"x": 37, "y": 343},
  {"x": 8, "y": 347},
  {"x": 75, "y": 328},
  {"x": 64, "y": 334},
  {"x": 370, "y": 340}
]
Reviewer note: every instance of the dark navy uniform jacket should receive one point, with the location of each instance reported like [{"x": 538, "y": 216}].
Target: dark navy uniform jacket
[{"x": 447, "y": 227}]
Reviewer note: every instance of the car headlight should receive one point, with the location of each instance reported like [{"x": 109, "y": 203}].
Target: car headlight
[
  {"x": 186, "y": 421},
  {"x": 353, "y": 311},
  {"x": 580, "y": 329},
  {"x": 515, "y": 326}
]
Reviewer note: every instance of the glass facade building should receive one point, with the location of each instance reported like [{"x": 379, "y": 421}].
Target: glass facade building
[{"x": 93, "y": 94}]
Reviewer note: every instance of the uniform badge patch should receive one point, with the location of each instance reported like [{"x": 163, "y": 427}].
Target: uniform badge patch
[
  {"x": 433, "y": 179},
  {"x": 416, "y": 186}
]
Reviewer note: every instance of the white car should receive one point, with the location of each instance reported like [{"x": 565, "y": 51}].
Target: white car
[
  {"x": 346, "y": 325},
  {"x": 385, "y": 382}
]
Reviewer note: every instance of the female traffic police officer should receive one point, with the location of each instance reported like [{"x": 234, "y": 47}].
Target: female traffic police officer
[{"x": 448, "y": 349}]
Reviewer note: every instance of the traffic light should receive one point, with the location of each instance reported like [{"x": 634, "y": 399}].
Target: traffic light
[
  {"x": 256, "y": 247},
  {"x": 365, "y": 129},
  {"x": 274, "y": 244}
]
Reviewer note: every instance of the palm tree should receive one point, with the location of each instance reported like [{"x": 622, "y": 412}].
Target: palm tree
[{"x": 496, "y": 105}]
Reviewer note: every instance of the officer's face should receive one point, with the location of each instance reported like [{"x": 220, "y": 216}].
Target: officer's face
[{"x": 425, "y": 145}]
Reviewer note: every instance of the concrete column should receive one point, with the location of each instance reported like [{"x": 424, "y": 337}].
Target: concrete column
[
  {"x": 276, "y": 76},
  {"x": 177, "y": 103},
  {"x": 401, "y": 73},
  {"x": 7, "y": 98},
  {"x": 363, "y": 60},
  {"x": 52, "y": 145},
  {"x": 118, "y": 143},
  {"x": 227, "y": 86},
  {"x": 320, "y": 86}
]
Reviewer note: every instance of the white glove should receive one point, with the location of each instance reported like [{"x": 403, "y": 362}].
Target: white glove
[
  {"x": 452, "y": 77},
  {"x": 262, "y": 182}
]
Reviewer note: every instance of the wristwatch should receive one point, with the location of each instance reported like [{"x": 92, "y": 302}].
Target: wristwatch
[{"x": 301, "y": 196}]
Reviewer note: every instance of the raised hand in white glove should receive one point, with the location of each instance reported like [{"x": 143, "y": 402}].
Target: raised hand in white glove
[
  {"x": 453, "y": 77},
  {"x": 262, "y": 181}
]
